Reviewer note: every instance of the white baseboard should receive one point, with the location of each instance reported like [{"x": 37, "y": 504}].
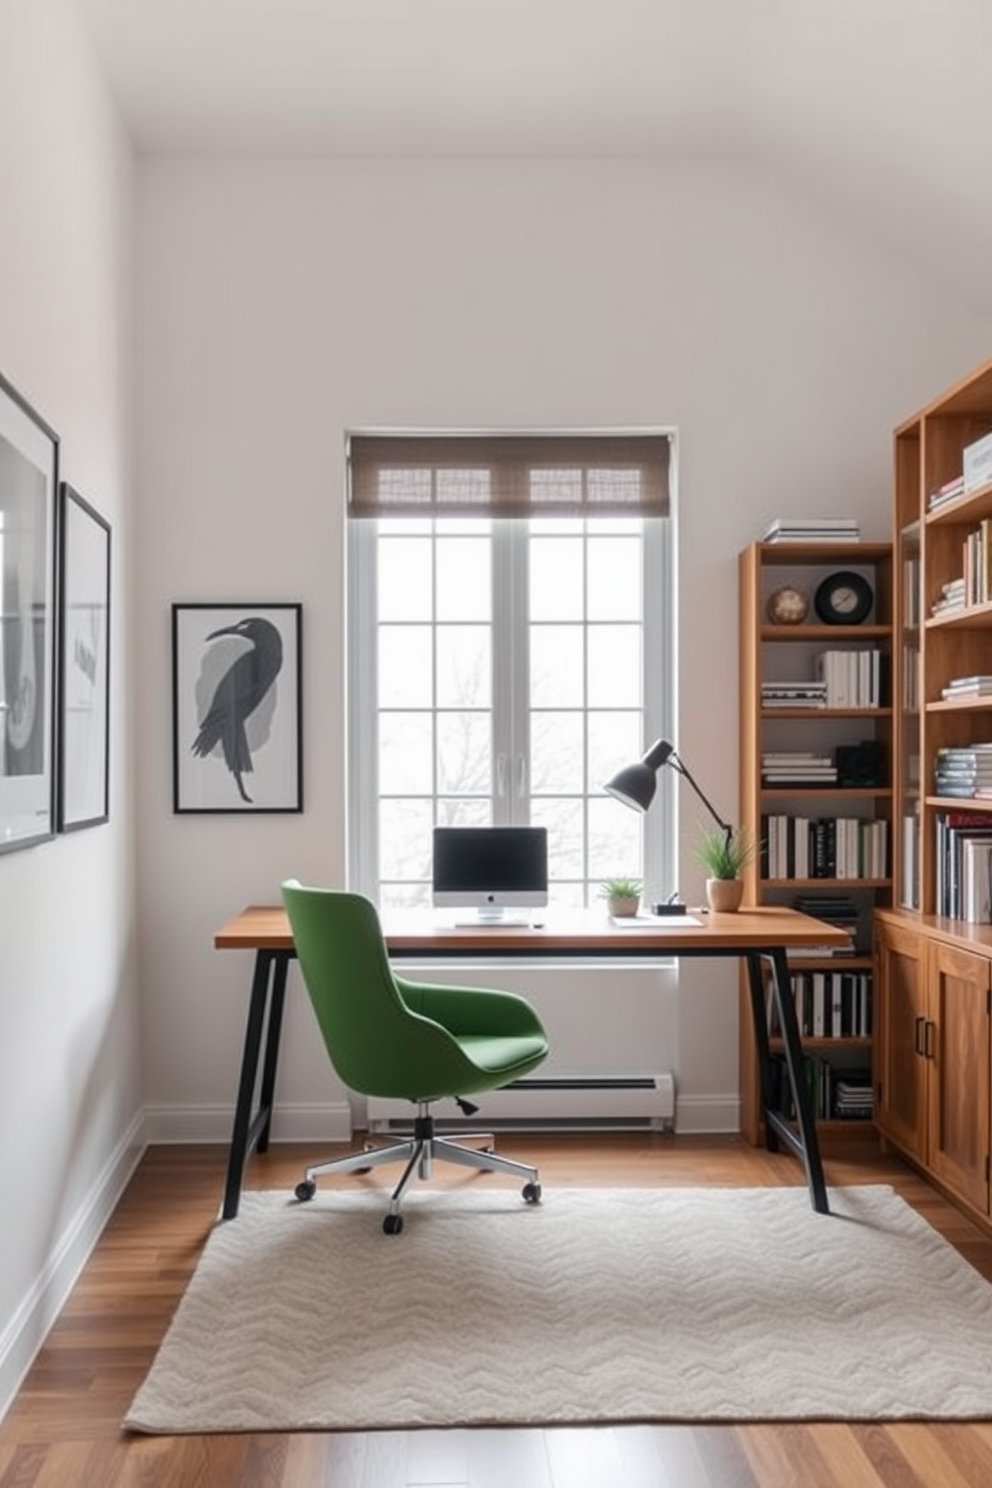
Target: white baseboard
[
  {"x": 324, "y": 1122},
  {"x": 707, "y": 1114},
  {"x": 29, "y": 1326}
]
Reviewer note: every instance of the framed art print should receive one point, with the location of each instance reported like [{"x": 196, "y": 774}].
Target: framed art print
[
  {"x": 236, "y": 707},
  {"x": 84, "y": 664},
  {"x": 28, "y": 484}
]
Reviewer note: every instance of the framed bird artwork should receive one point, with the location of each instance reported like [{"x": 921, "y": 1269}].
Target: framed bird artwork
[{"x": 237, "y": 707}]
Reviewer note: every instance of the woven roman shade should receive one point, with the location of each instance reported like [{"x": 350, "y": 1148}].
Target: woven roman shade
[{"x": 508, "y": 475}]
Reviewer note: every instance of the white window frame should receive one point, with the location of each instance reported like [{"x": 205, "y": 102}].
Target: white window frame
[{"x": 660, "y": 650}]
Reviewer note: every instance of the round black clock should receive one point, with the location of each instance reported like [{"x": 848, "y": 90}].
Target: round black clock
[{"x": 843, "y": 599}]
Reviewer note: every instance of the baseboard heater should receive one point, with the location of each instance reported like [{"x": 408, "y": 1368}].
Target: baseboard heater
[{"x": 579, "y": 1101}]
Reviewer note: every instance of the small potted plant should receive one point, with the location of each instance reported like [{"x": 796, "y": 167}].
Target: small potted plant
[
  {"x": 725, "y": 855},
  {"x": 622, "y": 895}
]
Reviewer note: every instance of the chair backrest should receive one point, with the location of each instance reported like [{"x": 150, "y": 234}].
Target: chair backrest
[{"x": 377, "y": 1045}]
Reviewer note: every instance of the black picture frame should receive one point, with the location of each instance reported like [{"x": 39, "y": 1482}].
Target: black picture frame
[
  {"x": 237, "y": 709},
  {"x": 84, "y": 664},
  {"x": 29, "y": 461}
]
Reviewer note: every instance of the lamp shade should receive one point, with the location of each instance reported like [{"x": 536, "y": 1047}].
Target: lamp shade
[{"x": 635, "y": 785}]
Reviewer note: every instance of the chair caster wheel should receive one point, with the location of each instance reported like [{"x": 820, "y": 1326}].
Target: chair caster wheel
[
  {"x": 392, "y": 1224},
  {"x": 306, "y": 1190},
  {"x": 531, "y": 1193}
]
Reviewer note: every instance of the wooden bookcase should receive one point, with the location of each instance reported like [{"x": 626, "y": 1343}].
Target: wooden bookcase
[
  {"x": 933, "y": 1077},
  {"x": 783, "y": 814}
]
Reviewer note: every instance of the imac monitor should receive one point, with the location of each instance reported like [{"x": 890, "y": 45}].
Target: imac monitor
[{"x": 490, "y": 870}]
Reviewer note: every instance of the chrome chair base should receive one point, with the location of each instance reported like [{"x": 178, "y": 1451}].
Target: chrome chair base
[{"x": 419, "y": 1152}]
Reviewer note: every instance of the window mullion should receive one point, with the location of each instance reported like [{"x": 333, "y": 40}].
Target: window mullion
[{"x": 503, "y": 643}]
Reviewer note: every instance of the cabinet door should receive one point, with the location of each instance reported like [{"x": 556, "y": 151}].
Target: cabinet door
[
  {"x": 900, "y": 1065},
  {"x": 958, "y": 1050}
]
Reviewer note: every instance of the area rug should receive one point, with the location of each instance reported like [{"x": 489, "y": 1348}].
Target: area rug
[{"x": 594, "y": 1306}]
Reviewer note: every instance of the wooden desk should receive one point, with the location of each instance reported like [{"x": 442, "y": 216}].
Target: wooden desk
[{"x": 760, "y": 935}]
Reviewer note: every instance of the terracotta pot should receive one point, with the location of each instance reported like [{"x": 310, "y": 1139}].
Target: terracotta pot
[
  {"x": 724, "y": 894},
  {"x": 620, "y": 908}
]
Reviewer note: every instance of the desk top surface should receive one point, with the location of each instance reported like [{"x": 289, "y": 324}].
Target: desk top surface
[{"x": 266, "y": 927}]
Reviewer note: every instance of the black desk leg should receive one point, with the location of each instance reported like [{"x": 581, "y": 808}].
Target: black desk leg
[
  {"x": 759, "y": 1017},
  {"x": 808, "y": 1144},
  {"x": 238, "y": 1154},
  {"x": 267, "y": 1093}
]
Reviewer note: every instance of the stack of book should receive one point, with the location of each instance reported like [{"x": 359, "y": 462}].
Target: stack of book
[
  {"x": 952, "y": 597},
  {"x": 963, "y": 688},
  {"x": 812, "y": 529},
  {"x": 854, "y": 1098},
  {"x": 964, "y": 771},
  {"x": 798, "y": 767},
  {"x": 794, "y": 694},
  {"x": 838, "y": 910},
  {"x": 947, "y": 492}
]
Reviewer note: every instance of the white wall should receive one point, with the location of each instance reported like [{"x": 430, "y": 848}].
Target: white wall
[
  {"x": 279, "y": 303},
  {"x": 69, "y": 1075}
]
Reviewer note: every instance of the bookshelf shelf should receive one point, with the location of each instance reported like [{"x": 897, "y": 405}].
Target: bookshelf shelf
[
  {"x": 826, "y": 793},
  {"x": 814, "y": 713},
  {"x": 768, "y": 654}
]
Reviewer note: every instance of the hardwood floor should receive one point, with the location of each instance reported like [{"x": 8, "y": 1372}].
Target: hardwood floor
[{"x": 64, "y": 1427}]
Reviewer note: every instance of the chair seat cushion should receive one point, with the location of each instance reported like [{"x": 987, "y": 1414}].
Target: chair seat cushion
[{"x": 501, "y": 1054}]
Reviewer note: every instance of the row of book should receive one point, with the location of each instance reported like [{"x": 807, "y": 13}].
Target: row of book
[
  {"x": 964, "y": 770},
  {"x": 829, "y": 1004},
  {"x": 909, "y": 883},
  {"x": 963, "y": 866},
  {"x": 911, "y": 679},
  {"x": 977, "y": 563},
  {"x": 911, "y": 591},
  {"x": 841, "y": 679},
  {"x": 843, "y": 847},
  {"x": 841, "y": 1095},
  {"x": 853, "y": 679}
]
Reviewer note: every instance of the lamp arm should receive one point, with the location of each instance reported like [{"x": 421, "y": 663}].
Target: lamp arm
[{"x": 725, "y": 826}]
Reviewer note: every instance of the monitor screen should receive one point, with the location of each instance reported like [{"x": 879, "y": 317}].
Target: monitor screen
[{"x": 490, "y": 869}]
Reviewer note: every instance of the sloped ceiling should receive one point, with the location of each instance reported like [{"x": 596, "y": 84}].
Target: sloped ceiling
[{"x": 880, "y": 108}]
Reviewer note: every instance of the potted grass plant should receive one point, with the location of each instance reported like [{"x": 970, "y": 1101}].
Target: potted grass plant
[
  {"x": 622, "y": 895},
  {"x": 725, "y": 855}
]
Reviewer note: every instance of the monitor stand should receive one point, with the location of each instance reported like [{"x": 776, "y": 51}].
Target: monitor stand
[{"x": 487, "y": 919}]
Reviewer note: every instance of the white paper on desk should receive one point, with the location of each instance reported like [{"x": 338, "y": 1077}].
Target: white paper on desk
[{"x": 652, "y": 922}]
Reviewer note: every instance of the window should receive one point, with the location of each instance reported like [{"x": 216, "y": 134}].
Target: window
[{"x": 511, "y": 645}]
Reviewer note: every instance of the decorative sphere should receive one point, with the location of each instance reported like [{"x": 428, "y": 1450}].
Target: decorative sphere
[{"x": 787, "y": 606}]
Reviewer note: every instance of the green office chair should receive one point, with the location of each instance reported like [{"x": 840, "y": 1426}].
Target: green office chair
[{"x": 390, "y": 1037}]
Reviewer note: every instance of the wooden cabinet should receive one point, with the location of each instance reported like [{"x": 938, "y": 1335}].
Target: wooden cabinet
[
  {"x": 901, "y": 1016},
  {"x": 933, "y": 1070},
  {"x": 816, "y": 791},
  {"x": 956, "y": 1049}
]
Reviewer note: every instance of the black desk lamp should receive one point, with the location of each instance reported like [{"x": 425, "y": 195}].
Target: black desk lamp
[{"x": 635, "y": 786}]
